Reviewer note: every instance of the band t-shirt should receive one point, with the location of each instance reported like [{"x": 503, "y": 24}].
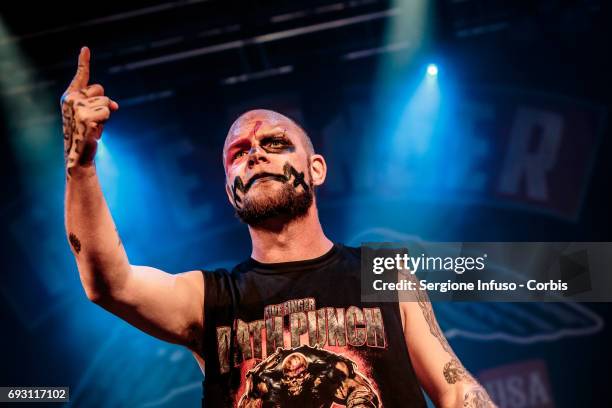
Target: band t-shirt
[{"x": 296, "y": 334}]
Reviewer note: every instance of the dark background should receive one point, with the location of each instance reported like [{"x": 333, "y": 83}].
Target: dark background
[{"x": 410, "y": 155}]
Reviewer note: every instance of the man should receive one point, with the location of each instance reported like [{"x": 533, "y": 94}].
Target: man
[{"x": 286, "y": 327}]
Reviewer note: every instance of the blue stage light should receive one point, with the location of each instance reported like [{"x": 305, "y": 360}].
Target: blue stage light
[{"x": 432, "y": 70}]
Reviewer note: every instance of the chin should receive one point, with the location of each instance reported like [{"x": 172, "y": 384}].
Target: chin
[
  {"x": 274, "y": 200},
  {"x": 264, "y": 189}
]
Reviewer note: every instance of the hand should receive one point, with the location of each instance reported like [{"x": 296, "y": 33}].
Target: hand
[{"x": 85, "y": 109}]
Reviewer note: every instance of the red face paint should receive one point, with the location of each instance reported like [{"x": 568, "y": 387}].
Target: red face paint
[
  {"x": 255, "y": 128},
  {"x": 241, "y": 142}
]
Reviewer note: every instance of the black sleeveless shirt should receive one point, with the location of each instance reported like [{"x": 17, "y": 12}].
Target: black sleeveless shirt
[{"x": 296, "y": 334}]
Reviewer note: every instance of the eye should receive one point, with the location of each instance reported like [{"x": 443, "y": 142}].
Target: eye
[
  {"x": 239, "y": 154},
  {"x": 276, "y": 142}
]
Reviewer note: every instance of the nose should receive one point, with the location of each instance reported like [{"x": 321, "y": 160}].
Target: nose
[{"x": 256, "y": 154}]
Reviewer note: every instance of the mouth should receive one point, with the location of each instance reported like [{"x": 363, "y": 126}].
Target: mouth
[
  {"x": 263, "y": 177},
  {"x": 288, "y": 172}
]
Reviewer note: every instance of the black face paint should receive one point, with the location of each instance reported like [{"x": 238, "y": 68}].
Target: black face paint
[
  {"x": 288, "y": 172},
  {"x": 287, "y": 203},
  {"x": 284, "y": 145}
]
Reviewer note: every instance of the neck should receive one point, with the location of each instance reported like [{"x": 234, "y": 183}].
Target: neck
[{"x": 286, "y": 241}]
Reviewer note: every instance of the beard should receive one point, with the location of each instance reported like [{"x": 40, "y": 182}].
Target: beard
[{"x": 287, "y": 203}]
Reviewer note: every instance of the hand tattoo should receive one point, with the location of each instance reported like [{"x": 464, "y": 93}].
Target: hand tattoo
[{"x": 74, "y": 135}]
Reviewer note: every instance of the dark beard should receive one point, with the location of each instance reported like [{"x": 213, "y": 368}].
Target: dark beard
[{"x": 287, "y": 204}]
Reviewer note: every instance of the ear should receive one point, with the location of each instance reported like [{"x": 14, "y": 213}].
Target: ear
[{"x": 318, "y": 169}]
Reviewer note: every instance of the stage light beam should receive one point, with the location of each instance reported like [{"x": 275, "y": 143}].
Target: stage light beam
[{"x": 432, "y": 70}]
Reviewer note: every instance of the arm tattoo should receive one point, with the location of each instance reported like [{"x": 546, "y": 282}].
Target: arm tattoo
[
  {"x": 477, "y": 398},
  {"x": 74, "y": 241},
  {"x": 429, "y": 316},
  {"x": 455, "y": 372}
]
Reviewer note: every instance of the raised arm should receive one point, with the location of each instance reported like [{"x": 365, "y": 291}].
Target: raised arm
[
  {"x": 164, "y": 305},
  {"x": 445, "y": 379}
]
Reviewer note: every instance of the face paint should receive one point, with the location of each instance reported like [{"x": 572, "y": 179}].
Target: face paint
[
  {"x": 255, "y": 128},
  {"x": 277, "y": 144},
  {"x": 288, "y": 172},
  {"x": 288, "y": 202}
]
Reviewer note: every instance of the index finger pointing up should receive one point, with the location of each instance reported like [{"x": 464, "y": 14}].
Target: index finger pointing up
[{"x": 81, "y": 78}]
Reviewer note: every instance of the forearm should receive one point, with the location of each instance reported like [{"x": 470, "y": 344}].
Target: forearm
[
  {"x": 468, "y": 394},
  {"x": 101, "y": 259},
  {"x": 447, "y": 382}
]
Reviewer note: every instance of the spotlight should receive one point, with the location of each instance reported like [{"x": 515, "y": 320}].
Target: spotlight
[{"x": 432, "y": 70}]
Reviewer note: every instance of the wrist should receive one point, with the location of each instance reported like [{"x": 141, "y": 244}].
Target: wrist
[{"x": 81, "y": 171}]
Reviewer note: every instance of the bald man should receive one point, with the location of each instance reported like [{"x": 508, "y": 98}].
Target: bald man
[{"x": 284, "y": 328}]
